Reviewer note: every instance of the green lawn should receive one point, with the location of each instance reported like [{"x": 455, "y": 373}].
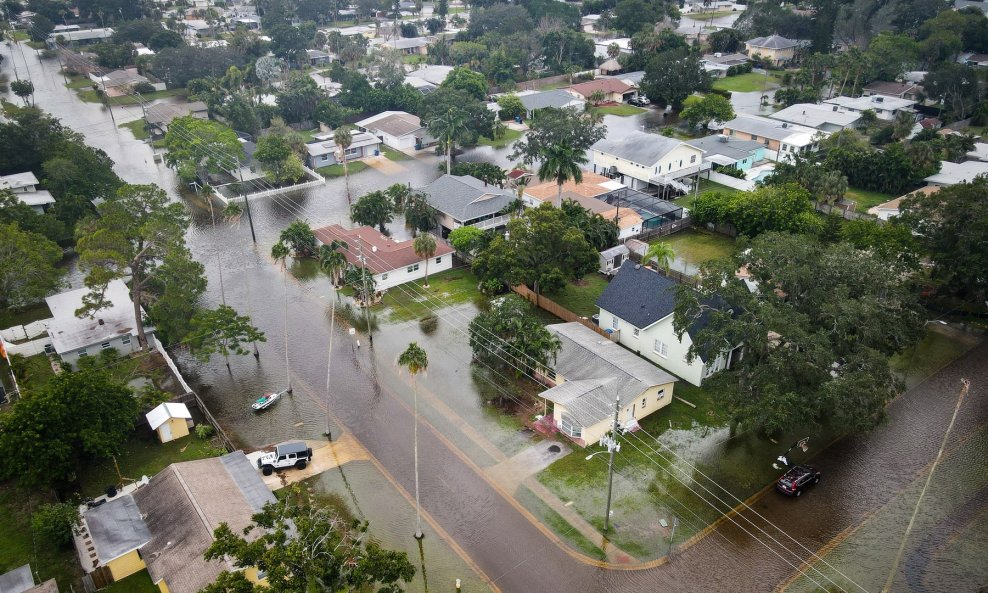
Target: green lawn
[
  {"x": 331, "y": 171},
  {"x": 18, "y": 546},
  {"x": 36, "y": 44},
  {"x": 33, "y": 373},
  {"x": 746, "y": 83},
  {"x": 90, "y": 96},
  {"x": 509, "y": 137},
  {"x": 394, "y": 155},
  {"x": 867, "y": 199},
  {"x": 139, "y": 582},
  {"x": 581, "y": 298},
  {"x": 21, "y": 36},
  {"x": 79, "y": 82},
  {"x": 414, "y": 59},
  {"x": 12, "y": 317},
  {"x": 451, "y": 287},
  {"x": 137, "y": 128},
  {"x": 705, "y": 186},
  {"x": 558, "y": 524},
  {"x": 143, "y": 455},
  {"x": 622, "y": 110},
  {"x": 308, "y": 135},
  {"x": 697, "y": 247}
]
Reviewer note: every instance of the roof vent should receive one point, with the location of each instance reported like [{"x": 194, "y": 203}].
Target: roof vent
[
  {"x": 100, "y": 321},
  {"x": 373, "y": 248},
  {"x": 785, "y": 124},
  {"x": 638, "y": 266}
]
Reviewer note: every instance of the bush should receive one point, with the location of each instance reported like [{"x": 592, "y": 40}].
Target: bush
[
  {"x": 56, "y": 523},
  {"x": 144, "y": 88},
  {"x": 204, "y": 431},
  {"x": 731, "y": 172}
]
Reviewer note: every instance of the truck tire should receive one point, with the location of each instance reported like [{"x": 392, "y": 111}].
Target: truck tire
[
  {"x": 267, "y": 470},
  {"x": 300, "y": 464}
]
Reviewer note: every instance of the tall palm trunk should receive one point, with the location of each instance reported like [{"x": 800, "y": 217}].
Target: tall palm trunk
[
  {"x": 418, "y": 509},
  {"x": 449, "y": 154},
  {"x": 346, "y": 177},
  {"x": 559, "y": 194}
]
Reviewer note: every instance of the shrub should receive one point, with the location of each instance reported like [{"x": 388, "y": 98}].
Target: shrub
[
  {"x": 144, "y": 88},
  {"x": 56, "y": 522},
  {"x": 204, "y": 431}
]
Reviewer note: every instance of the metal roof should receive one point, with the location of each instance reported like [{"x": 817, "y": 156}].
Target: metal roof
[
  {"x": 554, "y": 98},
  {"x": 815, "y": 116},
  {"x": 638, "y": 147},
  {"x": 466, "y": 198},
  {"x": 116, "y": 527},
  {"x": 16, "y": 181},
  {"x": 735, "y": 148}
]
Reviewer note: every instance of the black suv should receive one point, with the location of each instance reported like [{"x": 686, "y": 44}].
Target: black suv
[{"x": 797, "y": 479}]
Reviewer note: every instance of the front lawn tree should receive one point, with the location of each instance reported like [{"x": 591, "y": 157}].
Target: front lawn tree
[
  {"x": 78, "y": 417},
  {"x": 449, "y": 127},
  {"x": 672, "y": 76},
  {"x": 23, "y": 89},
  {"x": 702, "y": 110},
  {"x": 373, "y": 209},
  {"x": 299, "y": 238},
  {"x": 817, "y": 334},
  {"x": 134, "y": 233},
  {"x": 276, "y": 156},
  {"x": 425, "y": 247},
  {"x": 196, "y": 146},
  {"x": 304, "y": 547},
  {"x": 222, "y": 331},
  {"x": 343, "y": 138},
  {"x": 552, "y": 127},
  {"x": 510, "y": 336}
]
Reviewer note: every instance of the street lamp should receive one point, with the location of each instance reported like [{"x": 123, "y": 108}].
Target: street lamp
[{"x": 613, "y": 446}]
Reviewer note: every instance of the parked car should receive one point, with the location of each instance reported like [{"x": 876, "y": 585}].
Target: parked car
[
  {"x": 291, "y": 454},
  {"x": 797, "y": 479},
  {"x": 640, "y": 101}
]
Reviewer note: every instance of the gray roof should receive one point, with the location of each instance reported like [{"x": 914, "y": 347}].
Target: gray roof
[
  {"x": 466, "y": 198},
  {"x": 393, "y": 123},
  {"x": 616, "y": 250},
  {"x": 553, "y": 98},
  {"x": 815, "y": 116},
  {"x": 596, "y": 371},
  {"x": 774, "y": 42},
  {"x": 17, "y": 581},
  {"x": 726, "y": 59},
  {"x": 638, "y": 147},
  {"x": 116, "y": 528},
  {"x": 728, "y": 146},
  {"x": 641, "y": 296}
]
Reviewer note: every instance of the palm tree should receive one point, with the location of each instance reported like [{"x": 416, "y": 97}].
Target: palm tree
[
  {"x": 425, "y": 247},
  {"x": 343, "y": 139},
  {"x": 280, "y": 253},
  {"x": 416, "y": 361},
  {"x": 332, "y": 261},
  {"x": 831, "y": 186},
  {"x": 562, "y": 163},
  {"x": 903, "y": 124},
  {"x": 449, "y": 127},
  {"x": 662, "y": 252}
]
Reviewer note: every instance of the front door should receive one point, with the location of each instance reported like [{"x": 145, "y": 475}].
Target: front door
[{"x": 166, "y": 432}]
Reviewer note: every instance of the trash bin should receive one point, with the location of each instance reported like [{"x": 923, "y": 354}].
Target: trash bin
[
  {"x": 517, "y": 119},
  {"x": 377, "y": 152}
]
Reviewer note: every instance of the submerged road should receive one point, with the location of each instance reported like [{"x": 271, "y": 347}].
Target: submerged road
[{"x": 861, "y": 473}]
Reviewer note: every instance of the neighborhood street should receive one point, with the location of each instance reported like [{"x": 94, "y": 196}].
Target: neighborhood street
[{"x": 755, "y": 550}]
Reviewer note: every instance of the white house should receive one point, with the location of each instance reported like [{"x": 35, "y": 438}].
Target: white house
[
  {"x": 781, "y": 139},
  {"x": 391, "y": 262},
  {"x": 324, "y": 152},
  {"x": 590, "y": 373},
  {"x": 397, "y": 129},
  {"x": 74, "y": 337},
  {"x": 885, "y": 107},
  {"x": 639, "y": 160},
  {"x": 828, "y": 118},
  {"x": 954, "y": 173},
  {"x": 24, "y": 188},
  {"x": 638, "y": 305}
]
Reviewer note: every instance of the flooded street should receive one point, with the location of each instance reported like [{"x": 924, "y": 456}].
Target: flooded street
[{"x": 477, "y": 531}]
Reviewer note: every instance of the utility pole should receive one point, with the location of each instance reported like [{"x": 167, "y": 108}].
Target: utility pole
[
  {"x": 367, "y": 296},
  {"x": 329, "y": 365},
  {"x": 965, "y": 384},
  {"x": 250, "y": 219},
  {"x": 613, "y": 446},
  {"x": 672, "y": 536}
]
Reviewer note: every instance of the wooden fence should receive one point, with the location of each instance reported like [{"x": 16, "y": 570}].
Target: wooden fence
[
  {"x": 192, "y": 400},
  {"x": 665, "y": 229},
  {"x": 556, "y": 309}
]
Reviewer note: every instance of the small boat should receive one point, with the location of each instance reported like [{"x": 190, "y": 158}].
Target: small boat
[{"x": 265, "y": 401}]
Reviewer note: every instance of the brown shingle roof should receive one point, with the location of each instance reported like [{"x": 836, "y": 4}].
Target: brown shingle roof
[
  {"x": 608, "y": 85},
  {"x": 382, "y": 253}
]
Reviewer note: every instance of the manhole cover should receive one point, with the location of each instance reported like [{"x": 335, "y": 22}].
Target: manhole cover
[{"x": 554, "y": 448}]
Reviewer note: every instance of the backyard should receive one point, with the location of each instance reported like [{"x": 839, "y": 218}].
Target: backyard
[
  {"x": 581, "y": 296},
  {"x": 706, "y": 186},
  {"x": 866, "y": 199},
  {"x": 695, "y": 247},
  {"x": 508, "y": 137},
  {"x": 747, "y": 83}
]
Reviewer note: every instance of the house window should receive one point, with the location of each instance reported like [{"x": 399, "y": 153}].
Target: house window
[
  {"x": 670, "y": 167},
  {"x": 125, "y": 340},
  {"x": 83, "y": 353},
  {"x": 104, "y": 345},
  {"x": 615, "y": 322},
  {"x": 412, "y": 268},
  {"x": 635, "y": 332},
  {"x": 754, "y": 138},
  {"x": 692, "y": 159},
  {"x": 766, "y": 141},
  {"x": 352, "y": 152},
  {"x": 662, "y": 393},
  {"x": 643, "y": 402},
  {"x": 661, "y": 348},
  {"x": 439, "y": 260},
  {"x": 570, "y": 428},
  {"x": 785, "y": 147}
]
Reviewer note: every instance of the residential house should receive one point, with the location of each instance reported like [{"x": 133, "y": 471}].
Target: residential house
[
  {"x": 978, "y": 4},
  {"x": 125, "y": 78},
  {"x": 198, "y": 28},
  {"x": 590, "y": 375},
  {"x": 589, "y": 23},
  {"x": 641, "y": 160},
  {"x": 602, "y": 46},
  {"x": 589, "y": 193},
  {"x": 978, "y": 153},
  {"x": 397, "y": 129},
  {"x": 827, "y": 118},
  {"x": 170, "y": 421},
  {"x": 896, "y": 90},
  {"x": 462, "y": 200},
  {"x": 80, "y": 37},
  {"x": 974, "y": 60},
  {"x": 781, "y": 139},
  {"x": 885, "y": 108},
  {"x": 251, "y": 23},
  {"x": 317, "y": 57},
  {"x": 536, "y": 100},
  {"x": 323, "y": 152},
  {"x": 365, "y": 30},
  {"x": 613, "y": 90},
  {"x": 632, "y": 79},
  {"x": 774, "y": 49},
  {"x": 391, "y": 262},
  {"x": 427, "y": 78},
  {"x": 610, "y": 66},
  {"x": 160, "y": 115},
  {"x": 24, "y": 186},
  {"x": 954, "y": 173},
  {"x": 74, "y": 337},
  {"x": 166, "y": 523},
  {"x": 21, "y": 580},
  {"x": 731, "y": 152},
  {"x": 638, "y": 305},
  {"x": 717, "y": 64},
  {"x": 409, "y": 46}
]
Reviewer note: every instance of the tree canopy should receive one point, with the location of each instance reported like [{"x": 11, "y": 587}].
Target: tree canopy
[
  {"x": 197, "y": 145},
  {"x": 27, "y": 266},
  {"x": 510, "y": 336},
  {"x": 551, "y": 127}
]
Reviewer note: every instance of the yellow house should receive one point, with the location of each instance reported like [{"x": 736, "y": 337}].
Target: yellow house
[
  {"x": 775, "y": 49},
  {"x": 170, "y": 420},
  {"x": 591, "y": 374},
  {"x": 167, "y": 524}
]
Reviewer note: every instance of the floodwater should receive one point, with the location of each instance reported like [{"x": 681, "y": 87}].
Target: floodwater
[{"x": 467, "y": 516}]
